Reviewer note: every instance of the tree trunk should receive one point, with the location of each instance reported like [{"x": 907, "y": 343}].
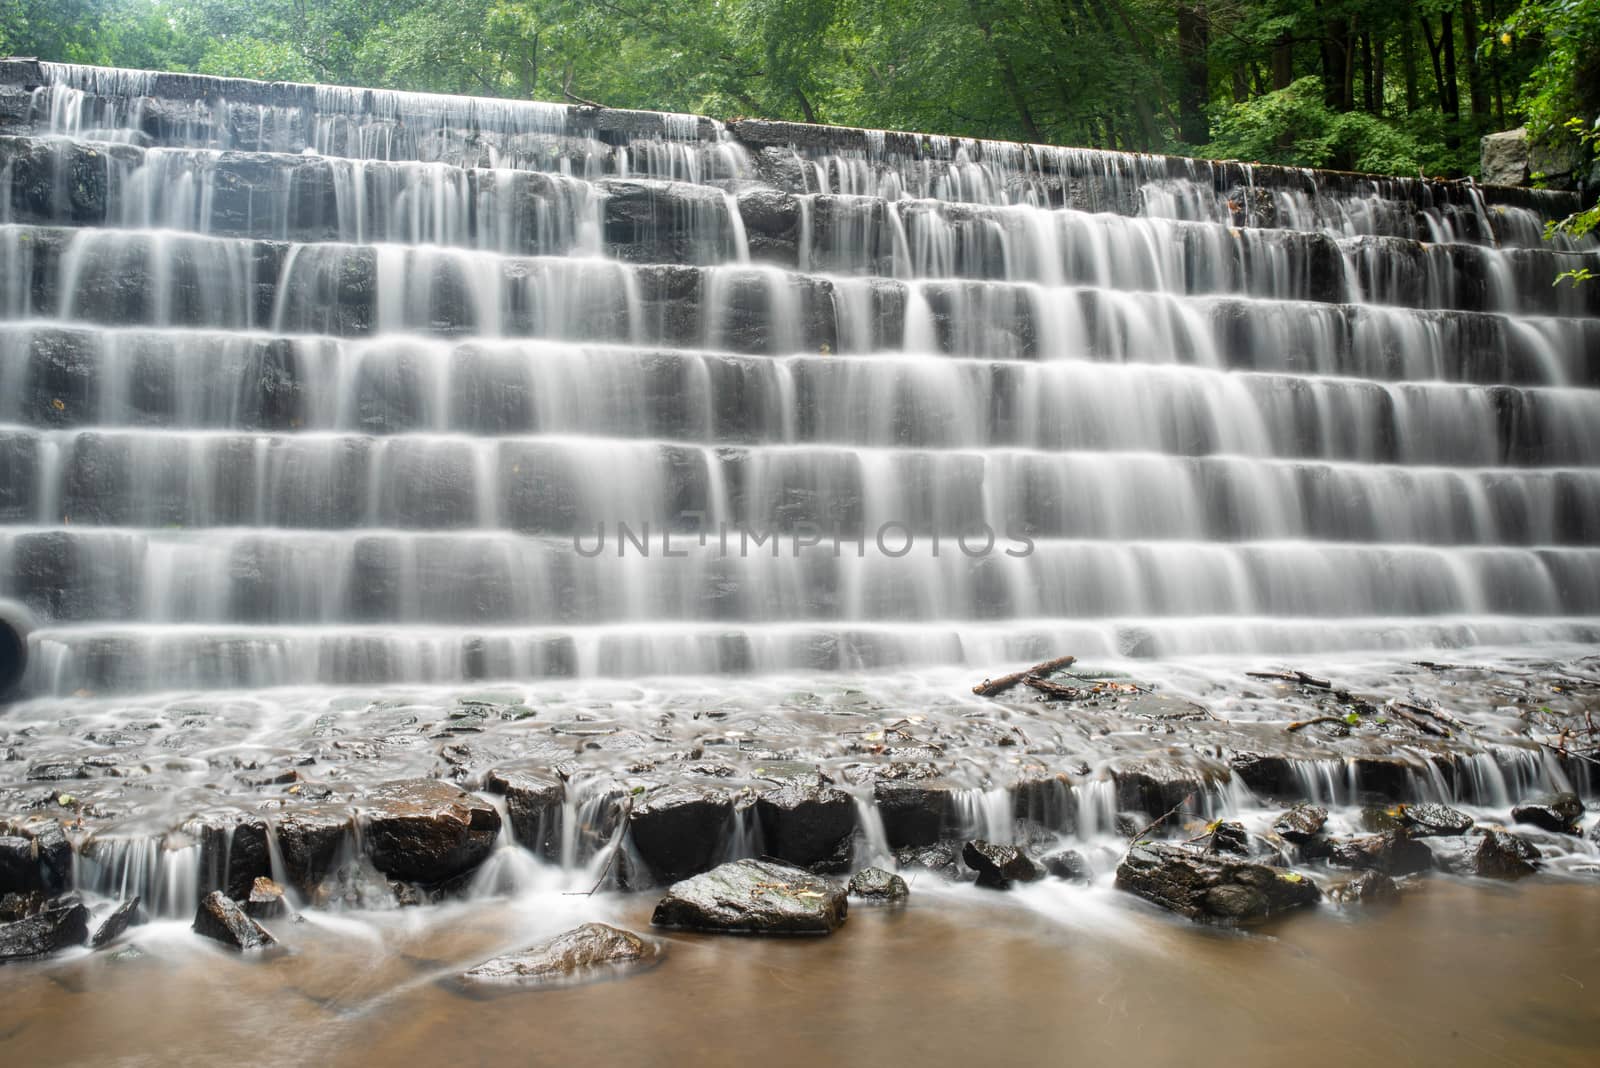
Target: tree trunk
[
  {"x": 1283, "y": 62},
  {"x": 1378, "y": 51},
  {"x": 1194, "y": 86},
  {"x": 1408, "y": 65},
  {"x": 1477, "y": 89},
  {"x": 1367, "y": 101}
]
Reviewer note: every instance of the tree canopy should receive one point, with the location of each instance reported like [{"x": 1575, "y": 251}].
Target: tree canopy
[{"x": 1402, "y": 87}]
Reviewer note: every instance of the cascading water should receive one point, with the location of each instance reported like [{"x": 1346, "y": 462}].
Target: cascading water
[{"x": 326, "y": 391}]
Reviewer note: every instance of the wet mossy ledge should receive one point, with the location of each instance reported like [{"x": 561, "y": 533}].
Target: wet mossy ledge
[{"x": 1195, "y": 806}]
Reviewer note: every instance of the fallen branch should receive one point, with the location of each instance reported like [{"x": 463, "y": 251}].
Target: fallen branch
[
  {"x": 1418, "y": 722},
  {"x": 1447, "y": 720},
  {"x": 1298, "y": 677},
  {"x": 994, "y": 687},
  {"x": 1054, "y": 690}
]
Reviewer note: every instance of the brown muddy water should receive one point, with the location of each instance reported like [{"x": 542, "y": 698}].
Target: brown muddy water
[{"x": 1457, "y": 972}]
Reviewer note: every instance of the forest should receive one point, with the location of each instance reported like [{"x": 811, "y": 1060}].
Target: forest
[{"x": 1400, "y": 87}]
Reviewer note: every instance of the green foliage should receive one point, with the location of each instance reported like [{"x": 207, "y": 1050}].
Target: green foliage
[{"x": 1294, "y": 126}]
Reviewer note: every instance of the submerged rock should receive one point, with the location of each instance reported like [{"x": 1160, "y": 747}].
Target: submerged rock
[
  {"x": 592, "y": 951},
  {"x": 1554, "y": 812},
  {"x": 1431, "y": 819},
  {"x": 998, "y": 866},
  {"x": 125, "y": 915},
  {"x": 942, "y": 858},
  {"x": 1495, "y": 854},
  {"x": 1211, "y": 887},
  {"x": 1301, "y": 823},
  {"x": 1392, "y": 852},
  {"x": 50, "y": 931},
  {"x": 875, "y": 884},
  {"x": 754, "y": 897},
  {"x": 1068, "y": 864},
  {"x": 221, "y": 920},
  {"x": 1369, "y": 888},
  {"x": 426, "y": 831}
]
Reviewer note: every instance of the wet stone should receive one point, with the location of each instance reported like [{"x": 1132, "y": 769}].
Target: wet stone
[
  {"x": 1559, "y": 813},
  {"x": 221, "y": 920},
  {"x": 266, "y": 901},
  {"x": 1392, "y": 852},
  {"x": 1301, "y": 823},
  {"x": 1068, "y": 864},
  {"x": 807, "y": 821},
  {"x": 1431, "y": 819},
  {"x": 754, "y": 897},
  {"x": 310, "y": 842},
  {"x": 680, "y": 830},
  {"x": 533, "y": 803},
  {"x": 1369, "y": 888},
  {"x": 44, "y": 933},
  {"x": 426, "y": 831},
  {"x": 942, "y": 858},
  {"x": 125, "y": 915},
  {"x": 18, "y": 906},
  {"x": 998, "y": 866},
  {"x": 914, "y": 813},
  {"x": 875, "y": 884},
  {"x": 1212, "y": 888},
  {"x": 592, "y": 951},
  {"x": 19, "y": 866}
]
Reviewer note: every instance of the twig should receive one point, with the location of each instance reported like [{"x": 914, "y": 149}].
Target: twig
[
  {"x": 1418, "y": 722},
  {"x": 1054, "y": 689},
  {"x": 1159, "y": 820},
  {"x": 566, "y": 91},
  {"x": 993, "y": 687},
  {"x": 1300, "y": 724}
]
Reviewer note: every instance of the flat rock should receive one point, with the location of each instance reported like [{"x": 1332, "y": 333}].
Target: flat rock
[
  {"x": 754, "y": 897},
  {"x": 1554, "y": 812},
  {"x": 45, "y": 933},
  {"x": 875, "y": 884},
  {"x": 1431, "y": 819},
  {"x": 221, "y": 920},
  {"x": 426, "y": 831},
  {"x": 124, "y": 916},
  {"x": 1211, "y": 887},
  {"x": 592, "y": 951},
  {"x": 998, "y": 866}
]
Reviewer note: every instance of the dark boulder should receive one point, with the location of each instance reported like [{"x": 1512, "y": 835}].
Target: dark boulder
[
  {"x": 221, "y": 920},
  {"x": 1382, "y": 778},
  {"x": 1211, "y": 887},
  {"x": 20, "y": 871},
  {"x": 1068, "y": 864},
  {"x": 1433, "y": 820},
  {"x": 805, "y": 820},
  {"x": 592, "y": 951},
  {"x": 1158, "y": 787},
  {"x": 875, "y": 884},
  {"x": 234, "y": 851},
  {"x": 754, "y": 897},
  {"x": 19, "y": 906},
  {"x": 1301, "y": 823},
  {"x": 914, "y": 813},
  {"x": 1554, "y": 812},
  {"x": 1392, "y": 852},
  {"x": 681, "y": 830},
  {"x": 266, "y": 900},
  {"x": 54, "y": 852},
  {"x": 1490, "y": 854},
  {"x": 1230, "y": 837},
  {"x": 310, "y": 840},
  {"x": 998, "y": 866},
  {"x": 125, "y": 915},
  {"x": 534, "y": 803},
  {"x": 50, "y": 931},
  {"x": 426, "y": 831}
]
